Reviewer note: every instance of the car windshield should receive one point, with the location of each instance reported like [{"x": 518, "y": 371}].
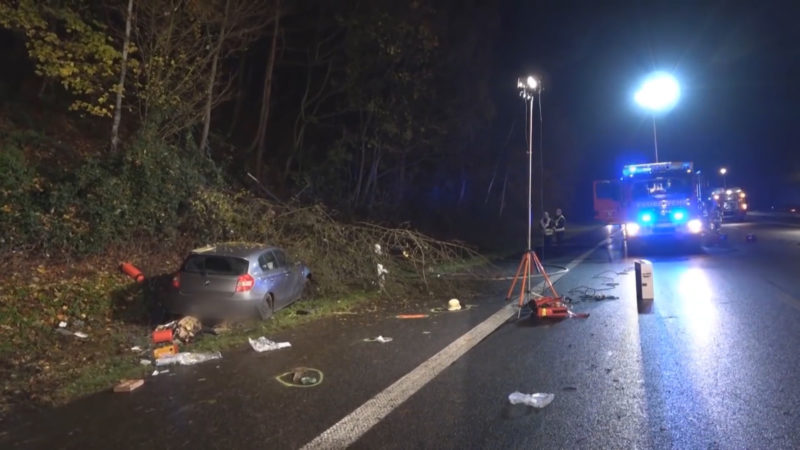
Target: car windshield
[
  {"x": 214, "y": 264},
  {"x": 658, "y": 188}
]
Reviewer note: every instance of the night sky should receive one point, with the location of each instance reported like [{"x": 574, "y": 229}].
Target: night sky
[{"x": 738, "y": 64}]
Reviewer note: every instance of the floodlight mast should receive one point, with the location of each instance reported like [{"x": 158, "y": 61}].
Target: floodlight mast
[
  {"x": 528, "y": 87},
  {"x": 659, "y": 92}
]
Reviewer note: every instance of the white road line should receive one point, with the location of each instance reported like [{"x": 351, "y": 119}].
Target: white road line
[{"x": 348, "y": 430}]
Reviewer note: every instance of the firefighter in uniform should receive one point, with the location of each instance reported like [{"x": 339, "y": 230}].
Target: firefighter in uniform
[
  {"x": 559, "y": 226},
  {"x": 547, "y": 228}
]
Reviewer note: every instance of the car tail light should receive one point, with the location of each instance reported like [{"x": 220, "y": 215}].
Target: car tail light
[
  {"x": 244, "y": 283},
  {"x": 176, "y": 281}
]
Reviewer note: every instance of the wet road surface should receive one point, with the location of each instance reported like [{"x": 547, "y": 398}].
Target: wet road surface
[{"x": 713, "y": 364}]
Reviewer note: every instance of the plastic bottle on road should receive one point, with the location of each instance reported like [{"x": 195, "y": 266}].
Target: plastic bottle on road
[{"x": 537, "y": 400}]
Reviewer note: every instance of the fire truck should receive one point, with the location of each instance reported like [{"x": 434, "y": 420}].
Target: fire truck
[
  {"x": 731, "y": 202},
  {"x": 656, "y": 201}
]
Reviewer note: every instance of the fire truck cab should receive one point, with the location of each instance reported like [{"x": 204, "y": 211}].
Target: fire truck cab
[{"x": 656, "y": 201}]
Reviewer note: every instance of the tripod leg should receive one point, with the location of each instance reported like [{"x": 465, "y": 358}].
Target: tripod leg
[
  {"x": 525, "y": 278},
  {"x": 546, "y": 277},
  {"x": 514, "y": 283}
]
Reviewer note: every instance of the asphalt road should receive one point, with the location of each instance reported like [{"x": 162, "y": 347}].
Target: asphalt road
[{"x": 713, "y": 364}]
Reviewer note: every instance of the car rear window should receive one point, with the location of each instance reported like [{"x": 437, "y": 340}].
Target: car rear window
[{"x": 213, "y": 264}]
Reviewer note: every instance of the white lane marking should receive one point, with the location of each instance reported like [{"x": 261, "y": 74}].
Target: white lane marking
[{"x": 348, "y": 430}]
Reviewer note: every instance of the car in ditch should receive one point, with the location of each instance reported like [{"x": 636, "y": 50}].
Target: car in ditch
[{"x": 236, "y": 280}]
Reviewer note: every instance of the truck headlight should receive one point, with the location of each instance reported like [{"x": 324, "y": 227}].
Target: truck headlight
[
  {"x": 632, "y": 228},
  {"x": 695, "y": 226}
]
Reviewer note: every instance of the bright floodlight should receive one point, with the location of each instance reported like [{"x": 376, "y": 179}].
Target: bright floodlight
[
  {"x": 532, "y": 82},
  {"x": 659, "y": 92},
  {"x": 723, "y": 171}
]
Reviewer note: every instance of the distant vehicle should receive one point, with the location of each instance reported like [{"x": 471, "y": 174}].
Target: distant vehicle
[
  {"x": 656, "y": 201},
  {"x": 731, "y": 202},
  {"x": 236, "y": 280}
]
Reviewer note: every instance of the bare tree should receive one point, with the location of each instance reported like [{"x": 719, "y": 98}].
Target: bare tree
[
  {"x": 241, "y": 23},
  {"x": 121, "y": 87},
  {"x": 260, "y": 140}
]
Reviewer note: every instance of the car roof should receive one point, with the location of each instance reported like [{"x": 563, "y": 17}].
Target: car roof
[{"x": 245, "y": 250}]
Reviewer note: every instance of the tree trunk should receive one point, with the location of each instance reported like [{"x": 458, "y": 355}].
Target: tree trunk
[
  {"x": 212, "y": 79},
  {"x": 244, "y": 80},
  {"x": 261, "y": 135},
  {"x": 121, "y": 87},
  {"x": 463, "y": 188},
  {"x": 503, "y": 195},
  {"x": 491, "y": 184}
]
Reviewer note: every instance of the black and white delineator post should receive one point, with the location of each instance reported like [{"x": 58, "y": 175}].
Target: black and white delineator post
[{"x": 644, "y": 281}]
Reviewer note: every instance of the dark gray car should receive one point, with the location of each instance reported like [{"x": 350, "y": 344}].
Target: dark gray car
[{"x": 235, "y": 280}]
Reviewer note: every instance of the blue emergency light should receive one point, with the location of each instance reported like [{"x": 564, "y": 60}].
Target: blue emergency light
[{"x": 636, "y": 169}]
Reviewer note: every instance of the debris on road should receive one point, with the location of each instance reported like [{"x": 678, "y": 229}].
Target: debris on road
[
  {"x": 165, "y": 351},
  {"x": 411, "y": 316},
  {"x": 440, "y": 309},
  {"x": 380, "y": 339},
  {"x": 453, "y": 305},
  {"x": 301, "y": 377},
  {"x": 160, "y": 336},
  {"x": 263, "y": 344},
  {"x": 128, "y": 385},
  {"x": 188, "y": 358},
  {"x": 187, "y": 329},
  {"x": 537, "y": 400}
]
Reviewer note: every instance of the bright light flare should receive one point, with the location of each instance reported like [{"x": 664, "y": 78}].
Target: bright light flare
[
  {"x": 695, "y": 226},
  {"x": 723, "y": 171},
  {"x": 632, "y": 228},
  {"x": 659, "y": 92},
  {"x": 529, "y": 83}
]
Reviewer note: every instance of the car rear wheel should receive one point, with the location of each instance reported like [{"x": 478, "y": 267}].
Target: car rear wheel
[{"x": 266, "y": 307}]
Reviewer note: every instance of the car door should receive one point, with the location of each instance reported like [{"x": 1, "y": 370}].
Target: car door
[
  {"x": 296, "y": 279},
  {"x": 287, "y": 285},
  {"x": 274, "y": 276}
]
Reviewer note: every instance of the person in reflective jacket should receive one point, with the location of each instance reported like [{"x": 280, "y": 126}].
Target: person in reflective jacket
[
  {"x": 547, "y": 228},
  {"x": 559, "y": 226}
]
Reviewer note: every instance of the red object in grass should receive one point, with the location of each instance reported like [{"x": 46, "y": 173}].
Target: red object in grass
[
  {"x": 132, "y": 272},
  {"x": 162, "y": 336}
]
